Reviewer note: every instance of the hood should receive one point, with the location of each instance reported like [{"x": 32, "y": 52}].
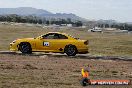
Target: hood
[{"x": 25, "y": 39}]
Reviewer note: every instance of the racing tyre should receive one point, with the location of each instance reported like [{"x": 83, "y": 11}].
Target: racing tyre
[
  {"x": 25, "y": 48},
  {"x": 70, "y": 50}
]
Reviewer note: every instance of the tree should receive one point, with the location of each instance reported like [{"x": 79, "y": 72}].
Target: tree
[
  {"x": 78, "y": 24},
  {"x": 47, "y": 22},
  {"x": 40, "y": 21},
  {"x": 69, "y": 20},
  {"x": 106, "y": 25}
]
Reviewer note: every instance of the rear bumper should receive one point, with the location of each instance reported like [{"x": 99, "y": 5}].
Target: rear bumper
[{"x": 85, "y": 52}]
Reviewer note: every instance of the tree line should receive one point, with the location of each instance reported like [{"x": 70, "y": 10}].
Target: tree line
[
  {"x": 121, "y": 26},
  {"x": 38, "y": 20}
]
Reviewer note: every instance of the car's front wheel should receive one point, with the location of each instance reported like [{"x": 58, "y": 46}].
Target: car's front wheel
[
  {"x": 25, "y": 47},
  {"x": 71, "y": 50}
]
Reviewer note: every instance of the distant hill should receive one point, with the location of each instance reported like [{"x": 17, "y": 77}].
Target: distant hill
[{"x": 25, "y": 11}]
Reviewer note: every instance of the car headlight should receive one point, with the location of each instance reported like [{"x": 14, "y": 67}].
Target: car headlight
[{"x": 14, "y": 41}]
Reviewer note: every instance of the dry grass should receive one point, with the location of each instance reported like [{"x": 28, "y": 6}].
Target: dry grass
[
  {"x": 100, "y": 44},
  {"x": 57, "y": 71},
  {"x": 60, "y": 71}
]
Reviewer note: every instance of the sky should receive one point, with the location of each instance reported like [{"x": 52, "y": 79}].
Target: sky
[{"x": 120, "y": 10}]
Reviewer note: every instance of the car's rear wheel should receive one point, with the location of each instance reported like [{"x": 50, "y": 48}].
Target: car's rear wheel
[
  {"x": 25, "y": 48},
  {"x": 71, "y": 50}
]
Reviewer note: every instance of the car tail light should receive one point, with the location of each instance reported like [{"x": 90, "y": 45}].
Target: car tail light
[{"x": 86, "y": 42}]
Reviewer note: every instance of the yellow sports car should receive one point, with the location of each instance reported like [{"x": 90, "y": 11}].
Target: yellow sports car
[{"x": 55, "y": 42}]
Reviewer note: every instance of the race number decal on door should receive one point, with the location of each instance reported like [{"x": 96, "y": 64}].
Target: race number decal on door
[{"x": 45, "y": 43}]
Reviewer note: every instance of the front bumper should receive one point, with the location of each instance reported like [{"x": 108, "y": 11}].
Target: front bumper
[{"x": 13, "y": 47}]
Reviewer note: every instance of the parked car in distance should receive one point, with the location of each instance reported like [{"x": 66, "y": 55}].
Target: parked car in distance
[{"x": 96, "y": 29}]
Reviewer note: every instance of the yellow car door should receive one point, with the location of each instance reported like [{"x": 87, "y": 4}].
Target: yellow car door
[
  {"x": 52, "y": 42},
  {"x": 41, "y": 45}
]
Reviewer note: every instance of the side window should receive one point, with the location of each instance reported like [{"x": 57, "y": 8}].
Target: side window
[
  {"x": 54, "y": 36},
  {"x": 62, "y": 37},
  {"x": 48, "y": 36}
]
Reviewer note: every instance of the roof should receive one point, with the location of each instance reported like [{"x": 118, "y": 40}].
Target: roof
[
  {"x": 58, "y": 33},
  {"x": 55, "y": 32}
]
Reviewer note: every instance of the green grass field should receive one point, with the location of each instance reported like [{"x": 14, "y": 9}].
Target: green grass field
[{"x": 108, "y": 44}]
